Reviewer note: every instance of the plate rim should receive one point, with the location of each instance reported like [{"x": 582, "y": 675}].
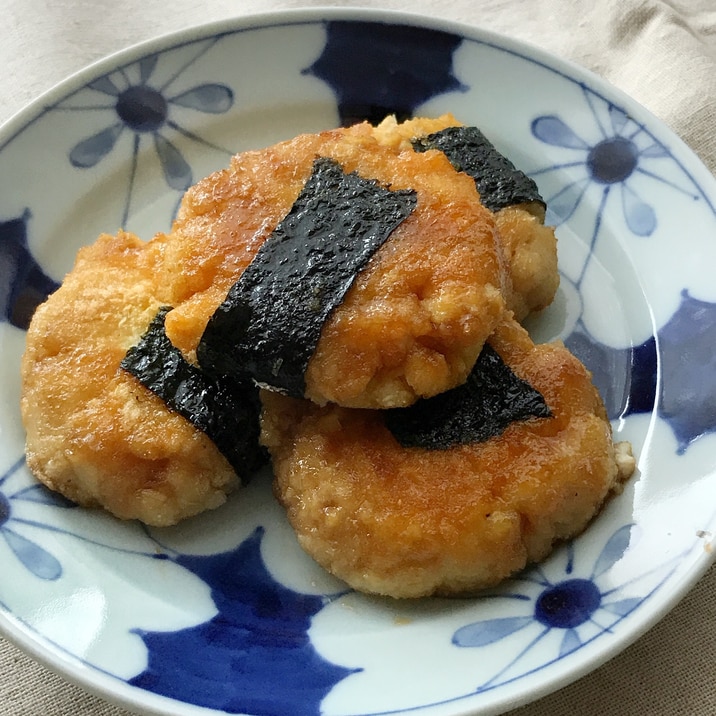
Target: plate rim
[{"x": 114, "y": 689}]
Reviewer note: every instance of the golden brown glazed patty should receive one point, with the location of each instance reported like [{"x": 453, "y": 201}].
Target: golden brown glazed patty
[
  {"x": 529, "y": 245},
  {"x": 93, "y": 432},
  {"x": 413, "y": 321},
  {"x": 411, "y": 325},
  {"x": 411, "y": 522}
]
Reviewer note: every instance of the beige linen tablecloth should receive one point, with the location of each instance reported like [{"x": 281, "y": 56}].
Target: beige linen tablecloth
[{"x": 661, "y": 52}]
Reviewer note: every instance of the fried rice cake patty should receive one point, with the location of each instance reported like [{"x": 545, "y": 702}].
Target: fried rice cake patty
[
  {"x": 410, "y": 522},
  {"x": 529, "y": 245},
  {"x": 94, "y": 433},
  {"x": 415, "y": 318}
]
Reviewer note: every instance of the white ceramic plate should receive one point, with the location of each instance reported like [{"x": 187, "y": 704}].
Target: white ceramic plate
[{"x": 225, "y": 613}]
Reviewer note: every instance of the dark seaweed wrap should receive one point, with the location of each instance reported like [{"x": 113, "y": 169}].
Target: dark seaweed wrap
[
  {"x": 268, "y": 326},
  {"x": 498, "y": 181},
  {"x": 227, "y": 411},
  {"x": 479, "y": 409}
]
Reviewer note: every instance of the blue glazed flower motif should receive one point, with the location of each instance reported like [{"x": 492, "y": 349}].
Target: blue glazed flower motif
[
  {"x": 143, "y": 109},
  {"x": 603, "y": 166},
  {"x": 255, "y": 655},
  {"x": 420, "y": 62},
  {"x": 24, "y": 282},
  {"x": 688, "y": 389},
  {"x": 19, "y": 497},
  {"x": 578, "y": 607},
  {"x": 627, "y": 378},
  {"x": 35, "y": 558},
  {"x": 608, "y": 159},
  {"x": 682, "y": 352}
]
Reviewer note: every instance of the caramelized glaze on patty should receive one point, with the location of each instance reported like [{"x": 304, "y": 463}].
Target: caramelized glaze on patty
[
  {"x": 94, "y": 433},
  {"x": 530, "y": 247},
  {"x": 411, "y": 522},
  {"x": 413, "y": 321}
]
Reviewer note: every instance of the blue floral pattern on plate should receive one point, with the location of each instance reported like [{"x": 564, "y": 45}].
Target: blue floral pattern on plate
[
  {"x": 252, "y": 610},
  {"x": 621, "y": 148},
  {"x": 24, "y": 284},
  {"x": 259, "y": 638},
  {"x": 573, "y": 606},
  {"x": 33, "y": 556},
  {"x": 140, "y": 108}
]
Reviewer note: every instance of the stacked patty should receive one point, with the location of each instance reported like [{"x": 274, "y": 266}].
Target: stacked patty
[
  {"x": 414, "y": 317},
  {"x": 416, "y": 521},
  {"x": 352, "y": 295}
]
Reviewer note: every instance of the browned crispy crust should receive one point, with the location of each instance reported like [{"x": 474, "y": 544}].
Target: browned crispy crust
[
  {"x": 411, "y": 325},
  {"x": 530, "y": 247},
  {"x": 414, "y": 320},
  {"x": 412, "y": 522},
  {"x": 93, "y": 432}
]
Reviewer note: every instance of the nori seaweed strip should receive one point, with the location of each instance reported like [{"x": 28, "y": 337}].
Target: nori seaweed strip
[
  {"x": 270, "y": 322},
  {"x": 498, "y": 181},
  {"x": 482, "y": 408},
  {"x": 227, "y": 411}
]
